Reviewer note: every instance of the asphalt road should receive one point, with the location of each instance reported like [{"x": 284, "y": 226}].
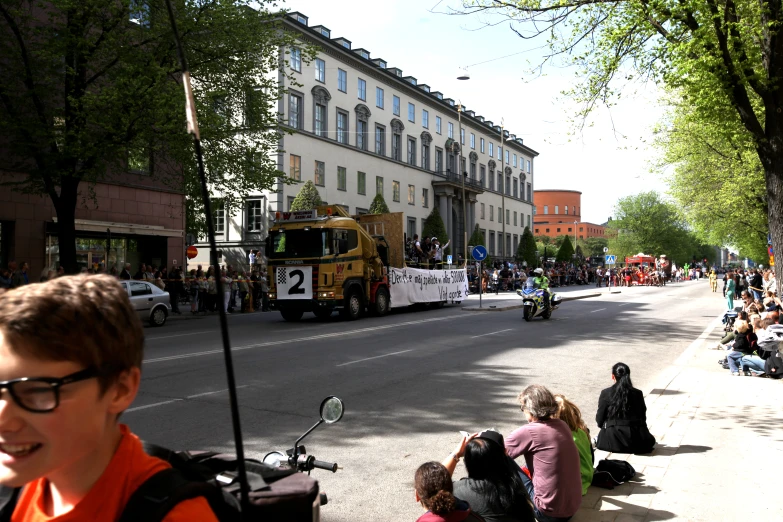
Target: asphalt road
[{"x": 410, "y": 381}]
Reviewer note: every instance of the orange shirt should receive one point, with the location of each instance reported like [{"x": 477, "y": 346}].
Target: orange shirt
[{"x": 127, "y": 470}]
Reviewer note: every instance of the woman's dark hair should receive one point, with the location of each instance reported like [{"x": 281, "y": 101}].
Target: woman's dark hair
[
  {"x": 496, "y": 480},
  {"x": 435, "y": 489},
  {"x": 618, "y": 405}
]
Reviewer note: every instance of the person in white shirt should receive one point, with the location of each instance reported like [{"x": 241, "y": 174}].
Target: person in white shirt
[{"x": 439, "y": 252}]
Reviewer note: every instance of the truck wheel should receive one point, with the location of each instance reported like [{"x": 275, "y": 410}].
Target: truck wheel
[
  {"x": 353, "y": 306},
  {"x": 381, "y": 302},
  {"x": 322, "y": 313},
  {"x": 291, "y": 316}
]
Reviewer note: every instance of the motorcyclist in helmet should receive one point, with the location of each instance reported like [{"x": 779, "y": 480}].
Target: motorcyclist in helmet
[{"x": 541, "y": 281}]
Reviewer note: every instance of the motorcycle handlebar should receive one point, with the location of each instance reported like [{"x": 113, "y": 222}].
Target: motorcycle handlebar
[{"x": 328, "y": 466}]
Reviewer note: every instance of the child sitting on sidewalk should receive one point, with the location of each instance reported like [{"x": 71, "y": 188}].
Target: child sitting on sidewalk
[{"x": 569, "y": 413}]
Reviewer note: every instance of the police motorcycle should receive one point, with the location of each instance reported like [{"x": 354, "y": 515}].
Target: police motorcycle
[{"x": 533, "y": 301}]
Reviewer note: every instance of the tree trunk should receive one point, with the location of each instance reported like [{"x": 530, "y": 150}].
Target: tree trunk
[{"x": 66, "y": 224}]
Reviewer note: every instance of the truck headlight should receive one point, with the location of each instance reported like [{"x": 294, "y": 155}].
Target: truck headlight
[
  {"x": 272, "y": 295},
  {"x": 325, "y": 295}
]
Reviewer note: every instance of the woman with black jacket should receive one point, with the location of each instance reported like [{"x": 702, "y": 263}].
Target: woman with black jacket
[{"x": 622, "y": 416}]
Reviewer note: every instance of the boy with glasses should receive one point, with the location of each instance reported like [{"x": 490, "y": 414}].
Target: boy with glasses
[{"x": 70, "y": 358}]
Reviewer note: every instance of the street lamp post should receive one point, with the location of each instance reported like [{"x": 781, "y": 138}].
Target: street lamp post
[
  {"x": 462, "y": 176},
  {"x": 575, "y": 222}
]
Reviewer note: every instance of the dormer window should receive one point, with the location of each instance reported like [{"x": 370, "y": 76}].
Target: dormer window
[
  {"x": 301, "y": 19},
  {"x": 343, "y": 42},
  {"x": 364, "y": 53},
  {"x": 410, "y": 79},
  {"x": 437, "y": 94},
  {"x": 381, "y": 64},
  {"x": 424, "y": 87},
  {"x": 395, "y": 71}
]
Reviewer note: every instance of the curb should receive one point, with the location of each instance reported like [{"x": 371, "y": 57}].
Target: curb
[
  {"x": 187, "y": 316},
  {"x": 516, "y": 307}
]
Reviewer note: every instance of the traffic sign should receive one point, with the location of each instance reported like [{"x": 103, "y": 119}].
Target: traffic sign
[
  {"x": 192, "y": 252},
  {"x": 479, "y": 252},
  {"x": 606, "y": 249},
  {"x": 610, "y": 260},
  {"x": 448, "y": 259}
]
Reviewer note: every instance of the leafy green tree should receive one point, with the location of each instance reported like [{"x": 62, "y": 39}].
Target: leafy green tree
[
  {"x": 593, "y": 246},
  {"x": 526, "y": 251},
  {"x": 434, "y": 227},
  {"x": 477, "y": 238},
  {"x": 566, "y": 252},
  {"x": 307, "y": 198},
  {"x": 378, "y": 205},
  {"x": 87, "y": 96},
  {"x": 579, "y": 253},
  {"x": 714, "y": 56}
]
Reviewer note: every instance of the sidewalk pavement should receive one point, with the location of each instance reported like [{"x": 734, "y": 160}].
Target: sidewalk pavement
[
  {"x": 503, "y": 301},
  {"x": 720, "y": 448}
]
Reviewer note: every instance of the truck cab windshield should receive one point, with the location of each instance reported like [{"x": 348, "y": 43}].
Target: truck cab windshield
[{"x": 297, "y": 243}]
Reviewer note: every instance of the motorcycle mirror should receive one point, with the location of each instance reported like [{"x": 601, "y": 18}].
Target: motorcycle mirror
[{"x": 332, "y": 410}]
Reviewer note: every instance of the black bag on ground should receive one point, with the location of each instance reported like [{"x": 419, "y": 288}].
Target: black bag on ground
[
  {"x": 611, "y": 473},
  {"x": 274, "y": 493}
]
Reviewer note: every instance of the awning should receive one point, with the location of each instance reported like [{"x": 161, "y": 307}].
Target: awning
[{"x": 86, "y": 225}]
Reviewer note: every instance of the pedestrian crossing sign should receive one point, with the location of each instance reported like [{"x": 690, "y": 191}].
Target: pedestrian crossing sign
[{"x": 610, "y": 260}]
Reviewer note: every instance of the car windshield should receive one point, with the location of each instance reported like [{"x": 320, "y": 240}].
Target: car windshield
[{"x": 297, "y": 243}]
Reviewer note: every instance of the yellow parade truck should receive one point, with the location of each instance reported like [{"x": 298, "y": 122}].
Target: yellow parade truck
[{"x": 323, "y": 260}]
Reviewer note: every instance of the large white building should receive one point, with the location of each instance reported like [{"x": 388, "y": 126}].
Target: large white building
[{"x": 362, "y": 128}]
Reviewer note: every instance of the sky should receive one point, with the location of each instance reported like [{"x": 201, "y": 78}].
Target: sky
[{"x": 611, "y": 158}]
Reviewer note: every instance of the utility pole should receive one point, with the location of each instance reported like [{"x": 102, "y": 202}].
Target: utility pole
[
  {"x": 462, "y": 176},
  {"x": 503, "y": 191}
]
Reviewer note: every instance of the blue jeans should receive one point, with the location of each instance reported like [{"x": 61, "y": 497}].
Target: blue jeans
[
  {"x": 734, "y": 360},
  {"x": 541, "y": 517},
  {"x": 753, "y": 362}
]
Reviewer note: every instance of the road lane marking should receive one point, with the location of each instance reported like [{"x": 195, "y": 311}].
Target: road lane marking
[
  {"x": 623, "y": 304},
  {"x": 594, "y": 311},
  {"x": 299, "y": 339},
  {"x": 376, "y": 357},
  {"x": 163, "y": 403},
  {"x": 492, "y": 333},
  {"x": 178, "y": 335}
]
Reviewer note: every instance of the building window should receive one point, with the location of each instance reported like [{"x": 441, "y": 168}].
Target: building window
[
  {"x": 320, "y": 70},
  {"x": 529, "y": 192},
  {"x": 320, "y": 173},
  {"x": 472, "y": 170},
  {"x": 295, "y": 111},
  {"x": 500, "y": 181},
  {"x": 491, "y": 242},
  {"x": 341, "y": 181},
  {"x": 500, "y": 215},
  {"x": 481, "y": 145},
  {"x": 472, "y": 141},
  {"x": 491, "y": 178},
  {"x": 558, "y": 229},
  {"x": 379, "y": 97},
  {"x": 342, "y": 80},
  {"x": 342, "y": 127},
  {"x": 514, "y": 160},
  {"x": 508, "y": 184},
  {"x": 290, "y": 202},
  {"x": 506, "y": 157},
  {"x": 219, "y": 216},
  {"x": 425, "y": 198},
  {"x": 411, "y": 151},
  {"x": 547, "y": 231},
  {"x": 438, "y": 160},
  {"x": 528, "y": 166},
  {"x": 362, "y": 90},
  {"x": 451, "y": 130},
  {"x": 396, "y": 145},
  {"x": 569, "y": 229},
  {"x": 566, "y": 210},
  {"x": 295, "y": 167},
  {"x": 319, "y": 115},
  {"x": 361, "y": 183},
  {"x": 482, "y": 211},
  {"x": 425, "y": 156},
  {"x": 491, "y": 150},
  {"x": 462, "y": 168},
  {"x": 500, "y": 153},
  {"x": 361, "y": 134},
  {"x": 296, "y": 59},
  {"x": 515, "y": 218},
  {"x": 411, "y": 112},
  {"x": 516, "y": 188},
  {"x": 396, "y": 105},
  {"x": 255, "y": 211},
  {"x": 492, "y": 212},
  {"x": 425, "y": 119},
  {"x": 380, "y": 140},
  {"x": 508, "y": 217},
  {"x": 438, "y": 123},
  {"x": 536, "y": 231},
  {"x": 396, "y": 191},
  {"x": 557, "y": 209},
  {"x": 411, "y": 195},
  {"x": 462, "y": 136},
  {"x": 483, "y": 175},
  {"x": 546, "y": 209},
  {"x": 379, "y": 185}
]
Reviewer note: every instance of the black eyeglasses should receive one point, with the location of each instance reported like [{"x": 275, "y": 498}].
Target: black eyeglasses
[{"x": 42, "y": 394}]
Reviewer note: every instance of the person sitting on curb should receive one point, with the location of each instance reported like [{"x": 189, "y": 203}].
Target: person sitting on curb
[
  {"x": 493, "y": 487},
  {"x": 569, "y": 413},
  {"x": 435, "y": 491},
  {"x": 622, "y": 416},
  {"x": 552, "y": 459},
  {"x": 744, "y": 344},
  {"x": 769, "y": 335},
  {"x": 64, "y": 382}
]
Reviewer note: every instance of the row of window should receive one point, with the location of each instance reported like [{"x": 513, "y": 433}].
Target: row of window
[
  {"x": 519, "y": 218},
  {"x": 295, "y": 119},
  {"x": 496, "y": 248},
  {"x": 590, "y": 230},
  {"x": 254, "y": 212},
  {"x": 574, "y": 210}
]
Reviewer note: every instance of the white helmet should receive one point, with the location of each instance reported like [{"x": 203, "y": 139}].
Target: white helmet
[{"x": 538, "y": 271}]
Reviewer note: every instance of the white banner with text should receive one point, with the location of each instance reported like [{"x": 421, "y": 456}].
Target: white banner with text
[{"x": 411, "y": 285}]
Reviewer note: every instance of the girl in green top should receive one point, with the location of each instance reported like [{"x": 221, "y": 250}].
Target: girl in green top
[
  {"x": 569, "y": 413},
  {"x": 730, "y": 288}
]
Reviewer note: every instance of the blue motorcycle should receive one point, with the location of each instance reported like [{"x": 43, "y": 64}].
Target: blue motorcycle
[{"x": 533, "y": 302}]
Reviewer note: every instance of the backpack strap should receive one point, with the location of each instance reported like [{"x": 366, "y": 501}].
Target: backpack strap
[
  {"x": 8, "y": 499},
  {"x": 160, "y": 493}
]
